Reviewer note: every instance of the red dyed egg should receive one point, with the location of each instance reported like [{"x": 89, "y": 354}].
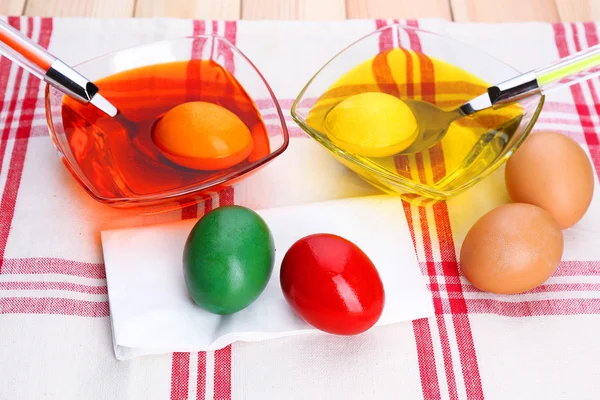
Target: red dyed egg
[{"x": 332, "y": 284}]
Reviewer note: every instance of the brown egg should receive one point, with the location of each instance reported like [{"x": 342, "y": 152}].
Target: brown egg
[
  {"x": 511, "y": 249},
  {"x": 551, "y": 170}
]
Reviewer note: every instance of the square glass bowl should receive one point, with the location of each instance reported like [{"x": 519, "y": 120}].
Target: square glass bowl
[
  {"x": 136, "y": 176},
  {"x": 412, "y": 63}
]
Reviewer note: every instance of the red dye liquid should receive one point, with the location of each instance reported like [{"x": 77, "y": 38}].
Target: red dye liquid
[{"x": 118, "y": 155}]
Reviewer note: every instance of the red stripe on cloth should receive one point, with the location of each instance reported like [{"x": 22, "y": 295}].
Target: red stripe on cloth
[
  {"x": 180, "y": 376},
  {"x": 415, "y": 43},
  {"x": 583, "y": 110},
  {"x": 230, "y": 33},
  {"x": 461, "y": 323},
  {"x": 422, "y": 332},
  {"x": 565, "y": 268},
  {"x": 446, "y": 351},
  {"x": 192, "y": 211},
  {"x": 67, "y": 286},
  {"x": 275, "y": 117},
  {"x": 525, "y": 308},
  {"x": 591, "y": 37},
  {"x": 189, "y": 212},
  {"x": 544, "y": 288},
  {"x": 426, "y": 358},
  {"x": 15, "y": 170},
  {"x": 199, "y": 28},
  {"x": 51, "y": 305},
  {"x": 5, "y": 66},
  {"x": 593, "y": 138},
  {"x": 386, "y": 40},
  {"x": 535, "y": 308},
  {"x": 226, "y": 196},
  {"x": 223, "y": 374},
  {"x": 294, "y": 131},
  {"x": 576, "y": 268},
  {"x": 423, "y": 339},
  {"x": 558, "y": 107},
  {"x": 563, "y": 121},
  {"x": 265, "y": 104},
  {"x": 53, "y": 266},
  {"x": 16, "y": 23},
  {"x": 201, "y": 377},
  {"x": 208, "y": 205}
]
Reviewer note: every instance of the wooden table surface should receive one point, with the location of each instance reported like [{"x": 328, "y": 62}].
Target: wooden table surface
[{"x": 457, "y": 10}]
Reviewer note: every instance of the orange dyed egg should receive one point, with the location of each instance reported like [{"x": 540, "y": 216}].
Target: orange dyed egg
[{"x": 203, "y": 136}]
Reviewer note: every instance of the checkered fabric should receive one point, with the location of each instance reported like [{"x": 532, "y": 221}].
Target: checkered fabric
[{"x": 55, "y": 339}]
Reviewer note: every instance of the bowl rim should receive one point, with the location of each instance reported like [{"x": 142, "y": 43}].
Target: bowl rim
[
  {"x": 409, "y": 185},
  {"x": 179, "y": 192}
]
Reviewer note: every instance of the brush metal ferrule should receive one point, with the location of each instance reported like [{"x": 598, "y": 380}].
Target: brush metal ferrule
[
  {"x": 508, "y": 91},
  {"x": 514, "y": 89},
  {"x": 70, "y": 82}
]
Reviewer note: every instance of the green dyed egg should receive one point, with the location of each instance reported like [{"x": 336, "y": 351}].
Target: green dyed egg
[{"x": 228, "y": 259}]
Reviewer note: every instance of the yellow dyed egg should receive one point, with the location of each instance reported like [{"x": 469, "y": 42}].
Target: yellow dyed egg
[{"x": 372, "y": 125}]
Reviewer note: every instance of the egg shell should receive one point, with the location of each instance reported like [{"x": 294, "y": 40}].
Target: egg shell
[
  {"x": 551, "y": 171},
  {"x": 203, "y": 136},
  {"x": 228, "y": 259},
  {"x": 512, "y": 249},
  {"x": 332, "y": 284},
  {"x": 372, "y": 124}
]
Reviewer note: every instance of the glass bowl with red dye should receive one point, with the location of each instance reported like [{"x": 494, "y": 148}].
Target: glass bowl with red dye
[{"x": 117, "y": 160}]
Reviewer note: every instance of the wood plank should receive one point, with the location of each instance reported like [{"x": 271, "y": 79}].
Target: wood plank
[
  {"x": 12, "y": 7},
  {"x": 80, "y": 8},
  {"x": 294, "y": 9},
  {"x": 578, "y": 10},
  {"x": 494, "y": 11},
  {"x": 197, "y": 9},
  {"x": 398, "y": 9}
]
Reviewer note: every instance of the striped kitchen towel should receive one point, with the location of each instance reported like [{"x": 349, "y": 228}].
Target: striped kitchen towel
[{"x": 55, "y": 339}]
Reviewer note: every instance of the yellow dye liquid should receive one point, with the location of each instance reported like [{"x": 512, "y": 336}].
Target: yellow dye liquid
[{"x": 470, "y": 146}]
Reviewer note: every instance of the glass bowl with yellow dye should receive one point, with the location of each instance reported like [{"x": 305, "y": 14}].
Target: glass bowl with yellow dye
[{"x": 397, "y": 63}]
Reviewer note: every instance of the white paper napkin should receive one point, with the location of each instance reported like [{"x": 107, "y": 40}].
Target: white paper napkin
[{"x": 152, "y": 312}]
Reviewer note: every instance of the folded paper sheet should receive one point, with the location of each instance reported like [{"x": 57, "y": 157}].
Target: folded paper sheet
[{"x": 152, "y": 312}]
